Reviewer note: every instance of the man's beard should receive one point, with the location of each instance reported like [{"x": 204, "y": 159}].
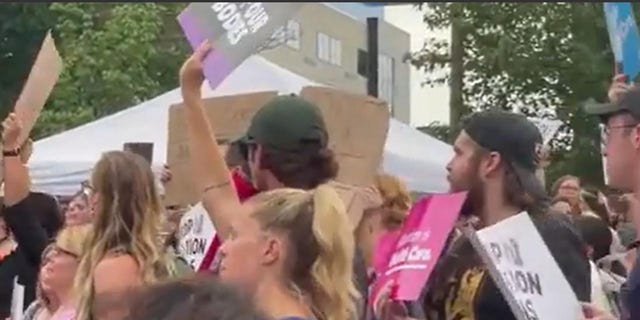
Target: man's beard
[{"x": 475, "y": 199}]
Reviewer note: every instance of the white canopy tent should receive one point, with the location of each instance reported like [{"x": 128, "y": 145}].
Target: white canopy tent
[{"x": 61, "y": 162}]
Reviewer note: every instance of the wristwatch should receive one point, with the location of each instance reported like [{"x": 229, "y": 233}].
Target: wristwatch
[{"x": 11, "y": 153}]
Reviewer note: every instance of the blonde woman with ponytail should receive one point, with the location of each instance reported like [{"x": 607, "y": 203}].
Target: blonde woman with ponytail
[
  {"x": 124, "y": 248},
  {"x": 292, "y": 251}
]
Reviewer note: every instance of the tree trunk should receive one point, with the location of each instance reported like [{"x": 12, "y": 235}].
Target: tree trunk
[{"x": 456, "y": 104}]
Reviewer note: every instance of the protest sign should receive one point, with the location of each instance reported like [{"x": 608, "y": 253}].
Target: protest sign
[
  {"x": 524, "y": 270},
  {"x": 547, "y": 127},
  {"x": 405, "y": 260},
  {"x": 358, "y": 148},
  {"x": 196, "y": 235},
  {"x": 143, "y": 149},
  {"x": 624, "y": 37},
  {"x": 43, "y": 76},
  {"x": 229, "y": 116},
  {"x": 17, "y": 300},
  {"x": 236, "y": 30}
]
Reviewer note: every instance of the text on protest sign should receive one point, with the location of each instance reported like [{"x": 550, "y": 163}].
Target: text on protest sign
[
  {"x": 196, "y": 235},
  {"x": 236, "y": 30},
  {"x": 624, "y": 37},
  {"x": 523, "y": 268},
  {"x": 405, "y": 260}
]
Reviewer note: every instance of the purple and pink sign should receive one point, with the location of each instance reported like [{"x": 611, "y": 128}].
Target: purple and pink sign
[{"x": 236, "y": 30}]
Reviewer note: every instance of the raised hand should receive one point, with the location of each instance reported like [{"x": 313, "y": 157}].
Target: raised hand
[
  {"x": 11, "y": 129},
  {"x": 591, "y": 312},
  {"x": 191, "y": 74},
  {"x": 618, "y": 87},
  {"x": 166, "y": 175}
]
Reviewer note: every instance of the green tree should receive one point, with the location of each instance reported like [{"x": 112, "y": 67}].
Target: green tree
[
  {"x": 22, "y": 28},
  {"x": 542, "y": 59},
  {"x": 115, "y": 55}
]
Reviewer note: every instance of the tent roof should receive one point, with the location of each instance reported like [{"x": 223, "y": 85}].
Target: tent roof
[{"x": 61, "y": 161}]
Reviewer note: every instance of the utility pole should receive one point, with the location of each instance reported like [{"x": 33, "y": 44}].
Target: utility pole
[
  {"x": 372, "y": 58},
  {"x": 457, "y": 108}
]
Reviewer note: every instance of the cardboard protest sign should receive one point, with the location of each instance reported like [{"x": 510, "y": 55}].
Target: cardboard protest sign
[
  {"x": 405, "y": 260},
  {"x": 229, "y": 116},
  {"x": 17, "y": 300},
  {"x": 42, "y": 78},
  {"x": 195, "y": 234},
  {"x": 624, "y": 37},
  {"x": 524, "y": 270},
  {"x": 236, "y": 30},
  {"x": 358, "y": 148}
]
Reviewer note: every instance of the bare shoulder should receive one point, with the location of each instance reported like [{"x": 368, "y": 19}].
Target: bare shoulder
[{"x": 116, "y": 272}]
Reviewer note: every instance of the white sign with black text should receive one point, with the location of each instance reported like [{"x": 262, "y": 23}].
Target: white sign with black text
[
  {"x": 525, "y": 271},
  {"x": 195, "y": 235}
]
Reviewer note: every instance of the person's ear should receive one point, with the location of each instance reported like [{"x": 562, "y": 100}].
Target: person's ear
[
  {"x": 272, "y": 250},
  {"x": 635, "y": 136},
  {"x": 489, "y": 165}
]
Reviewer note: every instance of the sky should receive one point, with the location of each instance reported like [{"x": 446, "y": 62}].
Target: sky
[{"x": 427, "y": 104}]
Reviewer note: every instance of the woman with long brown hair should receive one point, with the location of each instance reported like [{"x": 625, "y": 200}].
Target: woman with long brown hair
[{"x": 125, "y": 248}]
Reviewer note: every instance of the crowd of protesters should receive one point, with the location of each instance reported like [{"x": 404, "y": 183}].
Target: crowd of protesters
[{"x": 291, "y": 249}]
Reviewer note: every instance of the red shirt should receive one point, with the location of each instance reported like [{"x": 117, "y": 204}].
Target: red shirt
[{"x": 245, "y": 190}]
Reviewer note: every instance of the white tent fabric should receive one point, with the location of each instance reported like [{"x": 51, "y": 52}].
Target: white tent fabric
[{"x": 61, "y": 162}]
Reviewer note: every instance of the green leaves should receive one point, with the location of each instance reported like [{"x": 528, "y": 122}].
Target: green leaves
[
  {"x": 543, "y": 59},
  {"x": 115, "y": 56}
]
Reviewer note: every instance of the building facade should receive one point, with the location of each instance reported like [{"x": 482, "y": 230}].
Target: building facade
[{"x": 329, "y": 46}]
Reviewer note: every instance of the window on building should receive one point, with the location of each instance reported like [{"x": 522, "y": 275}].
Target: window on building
[
  {"x": 385, "y": 78},
  {"x": 323, "y": 47},
  {"x": 293, "y": 30},
  {"x": 363, "y": 62},
  {"x": 335, "y": 52},
  {"x": 329, "y": 49}
]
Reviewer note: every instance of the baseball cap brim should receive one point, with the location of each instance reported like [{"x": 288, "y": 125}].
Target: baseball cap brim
[
  {"x": 243, "y": 144},
  {"x": 530, "y": 183},
  {"x": 601, "y": 109}
]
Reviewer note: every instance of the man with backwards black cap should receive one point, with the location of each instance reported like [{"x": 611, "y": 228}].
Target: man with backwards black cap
[{"x": 495, "y": 158}]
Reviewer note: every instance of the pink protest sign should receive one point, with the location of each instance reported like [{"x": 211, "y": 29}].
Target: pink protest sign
[{"x": 404, "y": 260}]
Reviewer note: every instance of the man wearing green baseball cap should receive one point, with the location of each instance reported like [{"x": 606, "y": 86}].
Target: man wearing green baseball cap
[{"x": 286, "y": 145}]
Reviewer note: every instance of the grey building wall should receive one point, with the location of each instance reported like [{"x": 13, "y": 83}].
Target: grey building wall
[{"x": 352, "y": 34}]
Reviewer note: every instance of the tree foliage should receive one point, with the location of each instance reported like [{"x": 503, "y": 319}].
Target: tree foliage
[
  {"x": 115, "y": 55},
  {"x": 20, "y": 38},
  {"x": 542, "y": 59}
]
